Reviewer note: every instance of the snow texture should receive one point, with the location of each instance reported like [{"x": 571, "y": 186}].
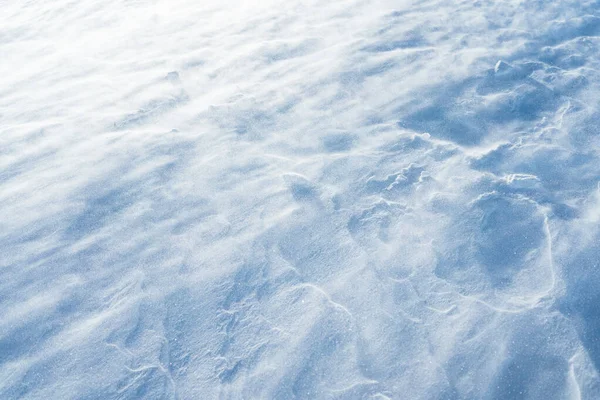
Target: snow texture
[{"x": 300, "y": 200}]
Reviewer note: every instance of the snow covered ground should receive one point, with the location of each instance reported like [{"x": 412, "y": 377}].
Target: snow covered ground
[{"x": 299, "y": 200}]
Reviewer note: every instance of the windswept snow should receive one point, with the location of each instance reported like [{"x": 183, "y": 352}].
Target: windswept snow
[{"x": 300, "y": 200}]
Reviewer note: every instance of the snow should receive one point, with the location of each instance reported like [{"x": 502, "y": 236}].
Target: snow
[{"x": 299, "y": 200}]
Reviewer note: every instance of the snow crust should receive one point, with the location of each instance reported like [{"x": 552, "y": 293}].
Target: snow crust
[{"x": 299, "y": 200}]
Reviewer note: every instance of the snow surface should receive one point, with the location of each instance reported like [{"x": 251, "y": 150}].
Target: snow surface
[{"x": 299, "y": 200}]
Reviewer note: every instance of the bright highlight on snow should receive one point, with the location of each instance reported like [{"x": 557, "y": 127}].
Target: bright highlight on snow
[{"x": 300, "y": 200}]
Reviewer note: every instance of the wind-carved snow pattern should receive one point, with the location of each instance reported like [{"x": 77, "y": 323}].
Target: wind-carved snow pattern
[{"x": 300, "y": 200}]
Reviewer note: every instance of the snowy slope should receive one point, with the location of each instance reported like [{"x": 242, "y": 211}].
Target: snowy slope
[{"x": 299, "y": 200}]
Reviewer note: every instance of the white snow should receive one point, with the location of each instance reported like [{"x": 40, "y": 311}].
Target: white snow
[{"x": 299, "y": 200}]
